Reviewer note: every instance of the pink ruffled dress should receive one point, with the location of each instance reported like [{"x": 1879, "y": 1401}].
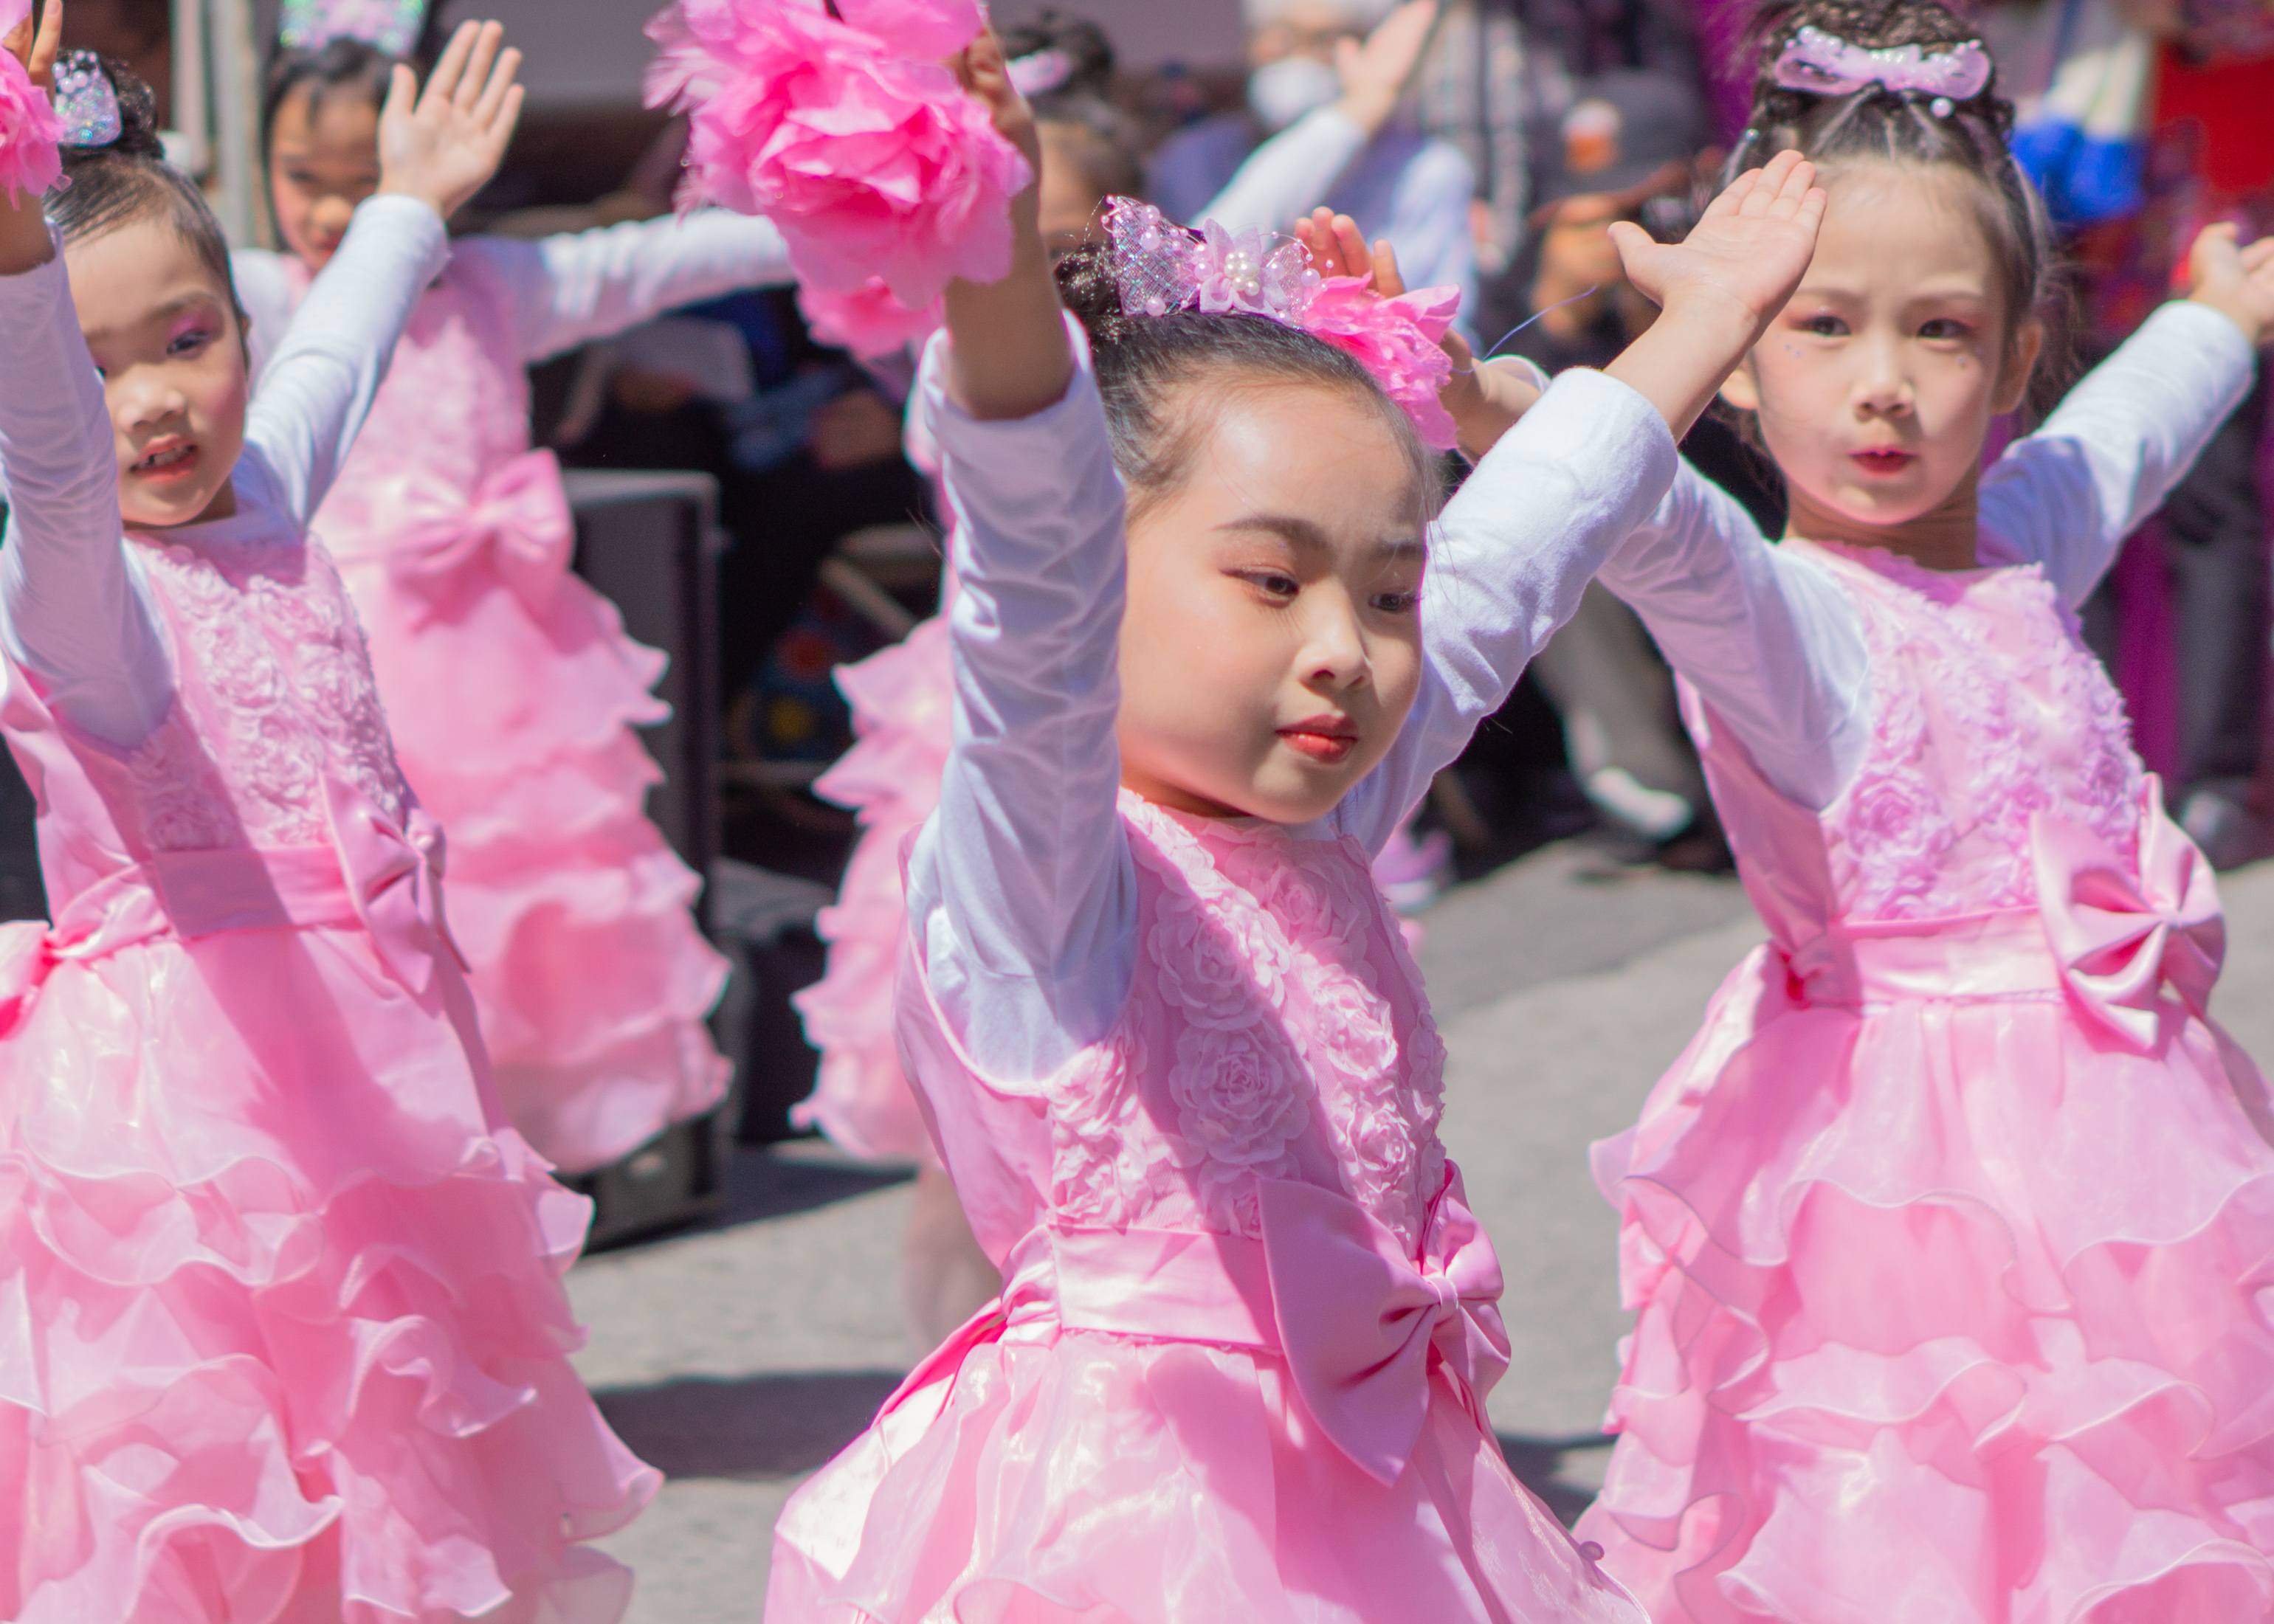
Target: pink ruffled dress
[
  {"x": 1948, "y": 1236},
  {"x": 282, "y": 1335},
  {"x": 1215, "y": 1385},
  {"x": 514, "y": 693},
  {"x": 1183, "y": 1075}
]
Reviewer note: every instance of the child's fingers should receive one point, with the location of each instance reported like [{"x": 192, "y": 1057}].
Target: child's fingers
[
  {"x": 1388, "y": 280},
  {"x": 402, "y": 95},
  {"x": 1350, "y": 242},
  {"x": 2259, "y": 255},
  {"x": 500, "y": 86},
  {"x": 1776, "y": 174},
  {"x": 1799, "y": 180},
  {"x": 47, "y": 45},
  {"x": 442, "y": 83},
  {"x": 1732, "y": 196},
  {"x": 475, "y": 80}
]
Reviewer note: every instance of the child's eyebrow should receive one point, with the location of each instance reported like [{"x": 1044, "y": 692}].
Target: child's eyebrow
[
  {"x": 1302, "y": 534},
  {"x": 167, "y": 312}
]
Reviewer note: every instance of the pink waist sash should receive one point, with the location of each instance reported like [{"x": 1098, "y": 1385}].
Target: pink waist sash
[
  {"x": 379, "y": 876},
  {"x": 1360, "y": 1324}
]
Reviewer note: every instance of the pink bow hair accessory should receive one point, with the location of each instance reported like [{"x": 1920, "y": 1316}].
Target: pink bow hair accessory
[
  {"x": 1160, "y": 267},
  {"x": 518, "y": 517},
  {"x": 1824, "y": 64},
  {"x": 2118, "y": 936},
  {"x": 1362, "y": 1326}
]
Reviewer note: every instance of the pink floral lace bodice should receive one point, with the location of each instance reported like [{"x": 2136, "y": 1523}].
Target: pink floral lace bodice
[
  {"x": 1275, "y": 1028},
  {"x": 1987, "y": 708},
  {"x": 454, "y": 405},
  {"x": 274, "y": 695}
]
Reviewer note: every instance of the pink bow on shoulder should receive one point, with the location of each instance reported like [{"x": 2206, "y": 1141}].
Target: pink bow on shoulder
[
  {"x": 2119, "y": 938},
  {"x": 1361, "y": 1326},
  {"x": 518, "y": 516}
]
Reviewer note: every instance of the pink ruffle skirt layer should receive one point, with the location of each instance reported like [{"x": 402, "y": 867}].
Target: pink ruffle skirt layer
[
  {"x": 1096, "y": 1477},
  {"x": 1947, "y": 1311},
  {"x": 282, "y": 1333},
  {"x": 902, "y": 700},
  {"x": 513, "y": 719}
]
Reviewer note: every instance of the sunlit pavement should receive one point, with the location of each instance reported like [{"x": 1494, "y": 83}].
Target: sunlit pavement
[{"x": 740, "y": 1359}]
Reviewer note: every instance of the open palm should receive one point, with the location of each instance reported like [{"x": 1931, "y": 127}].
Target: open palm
[
  {"x": 1750, "y": 247},
  {"x": 443, "y": 143}
]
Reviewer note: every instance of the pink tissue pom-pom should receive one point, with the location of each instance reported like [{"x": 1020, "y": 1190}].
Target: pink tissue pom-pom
[
  {"x": 29, "y": 133},
  {"x": 874, "y": 164},
  {"x": 1397, "y": 341},
  {"x": 870, "y": 320}
]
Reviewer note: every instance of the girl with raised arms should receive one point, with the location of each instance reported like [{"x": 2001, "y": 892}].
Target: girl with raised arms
[
  {"x": 511, "y": 687},
  {"x": 1209, "y": 647},
  {"x": 285, "y": 1336},
  {"x": 1948, "y": 1233}
]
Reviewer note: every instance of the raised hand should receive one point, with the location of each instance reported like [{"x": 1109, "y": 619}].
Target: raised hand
[
  {"x": 1010, "y": 357},
  {"x": 1373, "y": 74},
  {"x": 442, "y": 144},
  {"x": 1718, "y": 289},
  {"x": 37, "y": 47},
  {"x": 1483, "y": 399},
  {"x": 2234, "y": 280},
  {"x": 23, "y": 229},
  {"x": 1750, "y": 248}
]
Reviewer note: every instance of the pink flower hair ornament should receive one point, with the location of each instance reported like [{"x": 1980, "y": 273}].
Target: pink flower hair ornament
[
  {"x": 30, "y": 131},
  {"x": 1160, "y": 267},
  {"x": 846, "y": 132}
]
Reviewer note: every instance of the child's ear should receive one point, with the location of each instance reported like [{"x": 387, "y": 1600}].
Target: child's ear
[
  {"x": 2021, "y": 361},
  {"x": 1739, "y": 388}
]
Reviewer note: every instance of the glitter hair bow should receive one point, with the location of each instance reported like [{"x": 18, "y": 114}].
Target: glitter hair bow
[
  {"x": 1160, "y": 267},
  {"x": 1824, "y": 64},
  {"x": 389, "y": 25}
]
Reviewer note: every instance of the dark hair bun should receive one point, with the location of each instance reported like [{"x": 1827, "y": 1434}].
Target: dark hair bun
[
  {"x": 1081, "y": 41},
  {"x": 1087, "y": 287}
]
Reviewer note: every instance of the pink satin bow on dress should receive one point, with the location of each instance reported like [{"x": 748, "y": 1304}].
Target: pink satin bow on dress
[
  {"x": 518, "y": 516},
  {"x": 1361, "y": 1326},
  {"x": 2119, "y": 938},
  {"x": 394, "y": 882}
]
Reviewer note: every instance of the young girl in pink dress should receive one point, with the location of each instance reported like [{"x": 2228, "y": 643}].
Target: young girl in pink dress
[
  {"x": 1949, "y": 1234},
  {"x": 509, "y": 684},
  {"x": 285, "y": 1337},
  {"x": 1164, "y": 1029}
]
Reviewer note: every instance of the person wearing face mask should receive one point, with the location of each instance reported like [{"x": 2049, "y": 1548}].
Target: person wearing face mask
[{"x": 1322, "y": 127}]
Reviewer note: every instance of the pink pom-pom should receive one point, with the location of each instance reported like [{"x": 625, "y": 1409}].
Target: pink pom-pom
[
  {"x": 874, "y": 163},
  {"x": 1397, "y": 341},
  {"x": 870, "y": 320},
  {"x": 29, "y": 134}
]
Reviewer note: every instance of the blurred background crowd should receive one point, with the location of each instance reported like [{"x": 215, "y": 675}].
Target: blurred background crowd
[{"x": 1494, "y": 146}]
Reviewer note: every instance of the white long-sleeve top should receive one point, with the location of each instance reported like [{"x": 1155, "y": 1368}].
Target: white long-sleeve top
[
  {"x": 76, "y": 610},
  {"x": 572, "y": 289},
  {"x": 1022, "y": 884},
  {"x": 1768, "y": 637}
]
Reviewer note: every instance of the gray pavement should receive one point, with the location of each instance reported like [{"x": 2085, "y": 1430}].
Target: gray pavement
[{"x": 740, "y": 1359}]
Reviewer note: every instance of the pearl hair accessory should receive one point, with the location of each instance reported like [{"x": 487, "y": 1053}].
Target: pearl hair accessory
[
  {"x": 388, "y": 25},
  {"x": 1039, "y": 72},
  {"x": 85, "y": 101},
  {"x": 1824, "y": 64},
  {"x": 1160, "y": 267}
]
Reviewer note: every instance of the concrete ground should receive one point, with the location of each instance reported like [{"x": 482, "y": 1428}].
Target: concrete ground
[{"x": 739, "y": 1358}]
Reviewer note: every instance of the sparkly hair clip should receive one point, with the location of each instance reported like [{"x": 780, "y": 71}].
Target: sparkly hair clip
[
  {"x": 1160, "y": 267},
  {"x": 1824, "y": 64},
  {"x": 1039, "y": 72},
  {"x": 87, "y": 102},
  {"x": 391, "y": 26}
]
